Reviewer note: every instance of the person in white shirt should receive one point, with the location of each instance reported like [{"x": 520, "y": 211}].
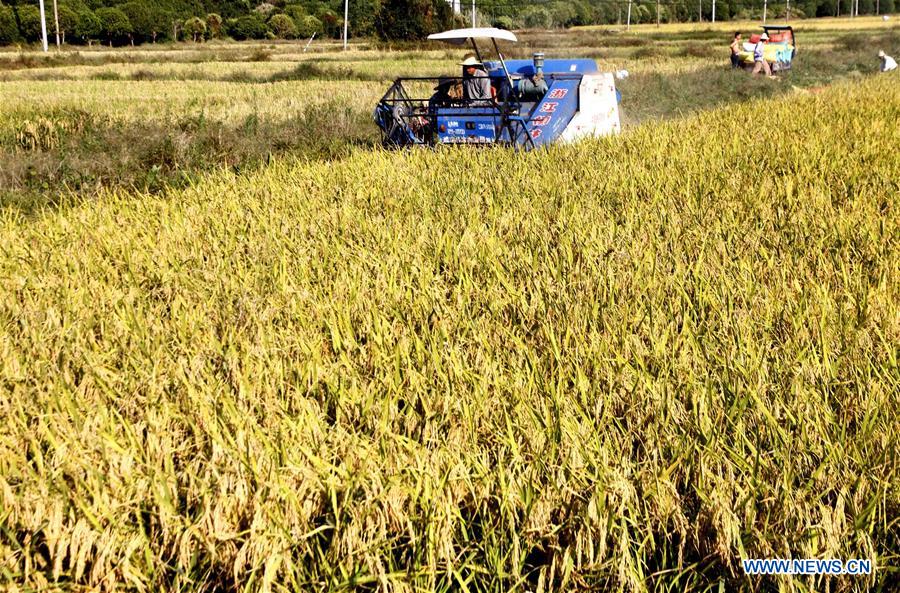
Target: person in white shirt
[
  {"x": 887, "y": 62},
  {"x": 759, "y": 58}
]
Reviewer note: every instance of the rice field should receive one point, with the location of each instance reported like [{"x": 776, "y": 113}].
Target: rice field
[{"x": 304, "y": 363}]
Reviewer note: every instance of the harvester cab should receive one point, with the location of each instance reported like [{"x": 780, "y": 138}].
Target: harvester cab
[
  {"x": 533, "y": 102},
  {"x": 779, "y": 51}
]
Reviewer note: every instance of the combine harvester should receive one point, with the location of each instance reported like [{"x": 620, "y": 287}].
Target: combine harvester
[{"x": 534, "y": 102}]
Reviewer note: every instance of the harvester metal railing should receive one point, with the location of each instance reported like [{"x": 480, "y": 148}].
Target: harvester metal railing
[{"x": 410, "y": 112}]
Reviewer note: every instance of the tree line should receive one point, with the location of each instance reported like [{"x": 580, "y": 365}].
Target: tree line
[
  {"x": 570, "y": 13},
  {"x": 120, "y": 22}
]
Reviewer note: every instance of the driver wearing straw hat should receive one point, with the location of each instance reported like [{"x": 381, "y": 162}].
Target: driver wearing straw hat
[{"x": 476, "y": 83}]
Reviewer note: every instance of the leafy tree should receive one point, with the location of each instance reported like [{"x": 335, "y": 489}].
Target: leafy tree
[
  {"x": 143, "y": 22},
  {"x": 228, "y": 9},
  {"x": 563, "y": 14},
  {"x": 151, "y": 21},
  {"x": 283, "y": 26},
  {"x": 332, "y": 24},
  {"x": 89, "y": 27},
  {"x": 9, "y": 31},
  {"x": 412, "y": 19},
  {"x": 537, "y": 17},
  {"x": 68, "y": 21},
  {"x": 362, "y": 15},
  {"x": 504, "y": 22},
  {"x": 247, "y": 27},
  {"x": 115, "y": 25},
  {"x": 196, "y": 28},
  {"x": 264, "y": 9},
  {"x": 215, "y": 25},
  {"x": 309, "y": 25},
  {"x": 30, "y": 22},
  {"x": 296, "y": 12}
]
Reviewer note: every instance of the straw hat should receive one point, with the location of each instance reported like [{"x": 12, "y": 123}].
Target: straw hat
[
  {"x": 764, "y": 36},
  {"x": 470, "y": 61},
  {"x": 880, "y": 53}
]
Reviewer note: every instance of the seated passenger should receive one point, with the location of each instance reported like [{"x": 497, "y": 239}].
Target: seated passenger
[
  {"x": 476, "y": 82},
  {"x": 447, "y": 91}
]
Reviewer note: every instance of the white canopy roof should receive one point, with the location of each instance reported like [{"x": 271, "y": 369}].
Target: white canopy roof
[{"x": 460, "y": 36}]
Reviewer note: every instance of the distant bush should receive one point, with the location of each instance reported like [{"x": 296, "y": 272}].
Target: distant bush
[
  {"x": 623, "y": 40},
  {"x": 504, "y": 22},
  {"x": 854, "y": 41},
  {"x": 196, "y": 28},
  {"x": 647, "y": 52},
  {"x": 247, "y": 27},
  {"x": 696, "y": 50},
  {"x": 260, "y": 55},
  {"x": 214, "y": 25},
  {"x": 283, "y": 26}
]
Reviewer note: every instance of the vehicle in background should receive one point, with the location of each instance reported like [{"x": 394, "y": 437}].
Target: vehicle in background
[{"x": 779, "y": 50}]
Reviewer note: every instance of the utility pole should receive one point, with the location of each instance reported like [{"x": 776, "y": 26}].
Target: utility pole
[
  {"x": 700, "y": 11},
  {"x": 714, "y": 11},
  {"x": 473, "y": 14},
  {"x": 765, "y": 9},
  {"x": 787, "y": 11},
  {"x": 56, "y": 20},
  {"x": 346, "y": 15},
  {"x": 44, "y": 27},
  {"x": 628, "y": 25},
  {"x": 657, "y": 14}
]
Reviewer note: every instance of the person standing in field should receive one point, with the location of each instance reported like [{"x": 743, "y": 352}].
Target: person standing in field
[
  {"x": 736, "y": 47},
  {"x": 476, "y": 83},
  {"x": 887, "y": 62},
  {"x": 759, "y": 59}
]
